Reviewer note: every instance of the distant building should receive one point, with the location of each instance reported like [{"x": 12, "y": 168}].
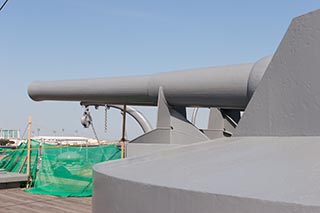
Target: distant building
[
  {"x": 62, "y": 140},
  {"x": 9, "y": 133},
  {"x": 71, "y": 140}
]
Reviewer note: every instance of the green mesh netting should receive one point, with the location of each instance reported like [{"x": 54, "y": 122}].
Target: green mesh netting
[
  {"x": 4, "y": 151},
  {"x": 67, "y": 171},
  {"x": 16, "y": 160}
]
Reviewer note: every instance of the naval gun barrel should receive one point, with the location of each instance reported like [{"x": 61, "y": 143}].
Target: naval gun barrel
[{"x": 225, "y": 87}]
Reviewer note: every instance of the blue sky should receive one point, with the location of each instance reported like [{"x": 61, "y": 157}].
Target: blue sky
[{"x": 56, "y": 40}]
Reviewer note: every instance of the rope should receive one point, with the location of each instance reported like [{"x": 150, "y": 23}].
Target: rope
[
  {"x": 25, "y": 130},
  {"x": 95, "y": 133}
]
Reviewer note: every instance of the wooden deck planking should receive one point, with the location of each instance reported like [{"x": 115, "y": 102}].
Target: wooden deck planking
[{"x": 16, "y": 200}]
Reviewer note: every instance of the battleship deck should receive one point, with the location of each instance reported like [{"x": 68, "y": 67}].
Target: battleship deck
[{"x": 16, "y": 200}]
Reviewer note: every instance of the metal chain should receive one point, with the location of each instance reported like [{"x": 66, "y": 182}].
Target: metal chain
[{"x": 105, "y": 118}]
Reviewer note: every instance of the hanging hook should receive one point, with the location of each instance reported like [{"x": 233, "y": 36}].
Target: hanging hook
[{"x": 86, "y": 118}]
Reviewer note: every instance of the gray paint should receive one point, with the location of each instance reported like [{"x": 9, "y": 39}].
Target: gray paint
[
  {"x": 215, "y": 124},
  {"x": 287, "y": 100},
  {"x": 11, "y": 179},
  {"x": 238, "y": 174},
  {"x": 133, "y": 112},
  {"x": 215, "y": 86},
  {"x": 138, "y": 149},
  {"x": 254, "y": 174},
  {"x": 256, "y": 74},
  {"x": 137, "y": 115},
  {"x": 172, "y": 126},
  {"x": 155, "y": 136},
  {"x": 8, "y": 177},
  {"x": 221, "y": 122}
]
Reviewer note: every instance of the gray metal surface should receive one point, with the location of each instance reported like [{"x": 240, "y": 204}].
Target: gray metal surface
[
  {"x": 215, "y": 86},
  {"x": 221, "y": 122},
  {"x": 237, "y": 174},
  {"x": 12, "y": 180},
  {"x": 132, "y": 111},
  {"x": 287, "y": 100},
  {"x": 139, "y": 149},
  {"x": 256, "y": 74},
  {"x": 172, "y": 126},
  {"x": 247, "y": 174},
  {"x": 137, "y": 115},
  {"x": 7, "y": 177}
]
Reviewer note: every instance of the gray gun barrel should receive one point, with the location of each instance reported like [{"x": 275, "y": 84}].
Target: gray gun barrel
[{"x": 225, "y": 87}]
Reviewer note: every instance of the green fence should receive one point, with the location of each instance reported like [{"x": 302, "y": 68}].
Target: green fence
[
  {"x": 16, "y": 159},
  {"x": 62, "y": 170}
]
